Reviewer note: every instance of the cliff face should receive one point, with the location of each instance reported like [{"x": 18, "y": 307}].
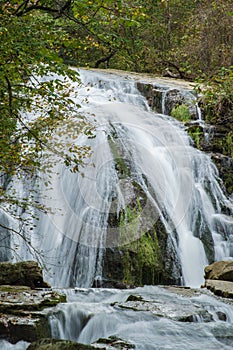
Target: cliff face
[{"x": 151, "y": 259}]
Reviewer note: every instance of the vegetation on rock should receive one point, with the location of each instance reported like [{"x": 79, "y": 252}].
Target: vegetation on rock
[
  {"x": 57, "y": 344},
  {"x": 25, "y": 273}
]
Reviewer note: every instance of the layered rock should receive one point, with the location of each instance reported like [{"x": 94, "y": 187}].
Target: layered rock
[
  {"x": 219, "y": 278},
  {"x": 24, "y": 313},
  {"x": 220, "y": 288},
  {"x": 220, "y": 270},
  {"x": 24, "y": 273}
]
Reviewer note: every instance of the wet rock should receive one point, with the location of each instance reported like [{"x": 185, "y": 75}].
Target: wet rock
[
  {"x": 173, "y": 98},
  {"x": 183, "y": 313},
  {"x": 24, "y": 313},
  {"x": 225, "y": 168},
  {"x": 221, "y": 288},
  {"x": 220, "y": 270},
  {"x": 57, "y": 344},
  {"x": 114, "y": 343},
  {"x": 28, "y": 327},
  {"x": 25, "y": 273},
  {"x": 134, "y": 298},
  {"x": 153, "y": 94},
  {"x": 184, "y": 291},
  {"x": 138, "y": 252},
  {"x": 221, "y": 316}
]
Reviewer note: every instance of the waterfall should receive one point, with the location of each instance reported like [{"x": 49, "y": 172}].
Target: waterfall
[{"x": 179, "y": 181}]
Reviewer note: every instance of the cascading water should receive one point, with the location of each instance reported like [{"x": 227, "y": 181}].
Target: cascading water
[
  {"x": 156, "y": 319},
  {"x": 179, "y": 181}
]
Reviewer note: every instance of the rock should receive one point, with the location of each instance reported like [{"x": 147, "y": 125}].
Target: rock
[
  {"x": 134, "y": 298},
  {"x": 115, "y": 343},
  {"x": 173, "y": 98},
  {"x": 220, "y": 270},
  {"x": 24, "y": 313},
  {"x": 153, "y": 94},
  {"x": 57, "y": 344},
  {"x": 225, "y": 168},
  {"x": 25, "y": 273},
  {"x": 27, "y": 328},
  {"x": 220, "y": 288},
  {"x": 185, "y": 312},
  {"x": 137, "y": 252}
]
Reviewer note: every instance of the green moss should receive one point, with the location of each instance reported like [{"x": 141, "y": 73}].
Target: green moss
[
  {"x": 197, "y": 135},
  {"x": 53, "y": 301},
  {"x": 16, "y": 289},
  {"x": 129, "y": 223},
  {"x": 181, "y": 113},
  {"x": 121, "y": 166},
  {"x": 141, "y": 261},
  {"x": 42, "y": 328}
]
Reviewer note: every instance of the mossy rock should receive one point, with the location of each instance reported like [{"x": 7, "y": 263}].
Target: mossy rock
[
  {"x": 57, "y": 344},
  {"x": 115, "y": 343},
  {"x": 28, "y": 328},
  {"x": 25, "y": 273},
  {"x": 28, "y": 300}
]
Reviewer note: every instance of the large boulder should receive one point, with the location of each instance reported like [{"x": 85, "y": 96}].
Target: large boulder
[
  {"x": 219, "y": 278},
  {"x": 25, "y": 273},
  {"x": 220, "y": 270}
]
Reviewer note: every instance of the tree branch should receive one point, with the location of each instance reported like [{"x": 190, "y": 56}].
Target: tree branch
[
  {"x": 105, "y": 59},
  {"x": 37, "y": 6}
]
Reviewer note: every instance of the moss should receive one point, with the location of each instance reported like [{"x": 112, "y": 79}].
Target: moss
[
  {"x": 181, "y": 113},
  {"x": 197, "y": 135},
  {"x": 42, "y": 328},
  {"x": 120, "y": 163},
  {"x": 14, "y": 289},
  {"x": 142, "y": 261},
  {"x": 53, "y": 301},
  {"x": 57, "y": 344}
]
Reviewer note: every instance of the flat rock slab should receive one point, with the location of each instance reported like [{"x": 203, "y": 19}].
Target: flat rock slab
[
  {"x": 17, "y": 298},
  {"x": 220, "y": 288}
]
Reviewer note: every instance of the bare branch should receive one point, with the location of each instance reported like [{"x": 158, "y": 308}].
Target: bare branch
[{"x": 37, "y": 6}]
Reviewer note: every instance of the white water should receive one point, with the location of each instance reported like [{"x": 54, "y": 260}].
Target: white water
[
  {"x": 158, "y": 323},
  {"x": 162, "y": 320},
  {"x": 180, "y": 181}
]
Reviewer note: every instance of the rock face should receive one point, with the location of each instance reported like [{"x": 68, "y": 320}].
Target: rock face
[
  {"x": 220, "y": 270},
  {"x": 137, "y": 253},
  {"x": 219, "y": 278},
  {"x": 25, "y": 273},
  {"x": 24, "y": 313}
]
